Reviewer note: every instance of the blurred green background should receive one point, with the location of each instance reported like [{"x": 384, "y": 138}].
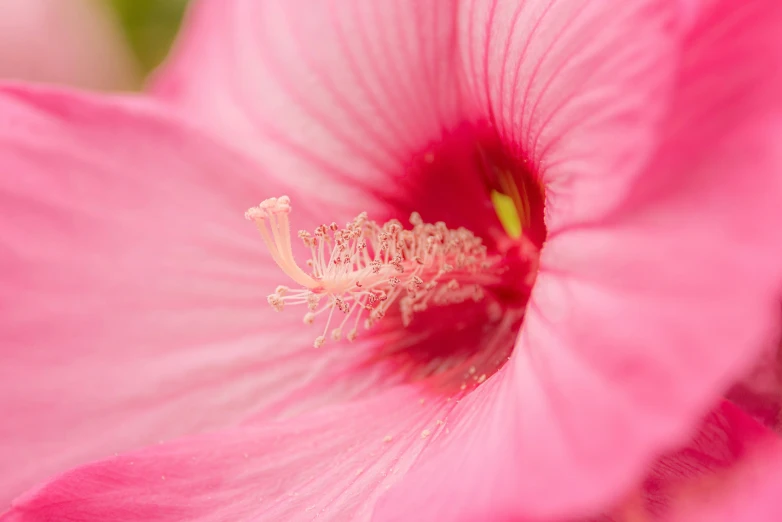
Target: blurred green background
[{"x": 149, "y": 26}]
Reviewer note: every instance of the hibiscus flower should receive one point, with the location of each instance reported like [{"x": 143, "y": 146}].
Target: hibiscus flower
[
  {"x": 724, "y": 459},
  {"x": 760, "y": 392},
  {"x": 752, "y": 493},
  {"x": 611, "y": 167}
]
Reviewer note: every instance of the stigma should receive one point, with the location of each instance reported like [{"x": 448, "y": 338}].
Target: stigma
[{"x": 355, "y": 274}]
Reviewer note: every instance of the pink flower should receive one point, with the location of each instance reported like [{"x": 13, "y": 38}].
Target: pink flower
[
  {"x": 720, "y": 459},
  {"x": 134, "y": 299},
  {"x": 73, "y": 42},
  {"x": 760, "y": 392},
  {"x": 729, "y": 472},
  {"x": 751, "y": 493}
]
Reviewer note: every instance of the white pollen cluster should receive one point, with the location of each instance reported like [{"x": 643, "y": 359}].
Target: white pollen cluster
[{"x": 362, "y": 269}]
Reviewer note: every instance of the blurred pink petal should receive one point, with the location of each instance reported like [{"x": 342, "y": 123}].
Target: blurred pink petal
[
  {"x": 760, "y": 392},
  {"x": 727, "y": 444},
  {"x": 72, "y": 42},
  {"x": 748, "y": 491},
  {"x": 751, "y": 494},
  {"x": 132, "y": 287},
  {"x": 331, "y": 465},
  {"x": 349, "y": 106},
  {"x": 356, "y": 91}
]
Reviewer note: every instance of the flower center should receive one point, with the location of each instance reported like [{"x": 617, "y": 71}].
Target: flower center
[
  {"x": 365, "y": 269},
  {"x": 436, "y": 304}
]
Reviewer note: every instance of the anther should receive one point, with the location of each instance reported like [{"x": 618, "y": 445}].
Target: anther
[
  {"x": 366, "y": 267},
  {"x": 276, "y": 302}
]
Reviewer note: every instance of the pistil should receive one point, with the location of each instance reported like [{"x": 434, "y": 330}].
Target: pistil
[{"x": 360, "y": 271}]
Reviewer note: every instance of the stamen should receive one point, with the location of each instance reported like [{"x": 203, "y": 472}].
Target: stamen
[
  {"x": 369, "y": 267},
  {"x": 507, "y": 213}
]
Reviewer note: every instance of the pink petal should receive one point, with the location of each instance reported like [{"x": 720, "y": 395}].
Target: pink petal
[
  {"x": 133, "y": 297},
  {"x": 353, "y": 91},
  {"x": 748, "y": 492},
  {"x": 331, "y": 92},
  {"x": 638, "y": 322},
  {"x": 751, "y": 494},
  {"x": 331, "y": 465},
  {"x": 760, "y": 392},
  {"x": 576, "y": 88},
  {"x": 75, "y": 43},
  {"x": 725, "y": 442},
  {"x": 726, "y": 445}
]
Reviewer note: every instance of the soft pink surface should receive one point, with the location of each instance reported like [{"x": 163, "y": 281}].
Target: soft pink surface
[
  {"x": 635, "y": 321},
  {"x": 751, "y": 494},
  {"x": 75, "y": 42},
  {"x": 581, "y": 106},
  {"x": 331, "y": 465},
  {"x": 760, "y": 392},
  {"x": 317, "y": 95},
  {"x": 692, "y": 483},
  {"x": 132, "y": 308},
  {"x": 351, "y": 90},
  {"x": 747, "y": 491},
  {"x": 334, "y": 464},
  {"x": 726, "y": 442}
]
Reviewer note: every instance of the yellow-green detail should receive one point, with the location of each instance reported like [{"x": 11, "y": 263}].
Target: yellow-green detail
[{"x": 506, "y": 211}]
